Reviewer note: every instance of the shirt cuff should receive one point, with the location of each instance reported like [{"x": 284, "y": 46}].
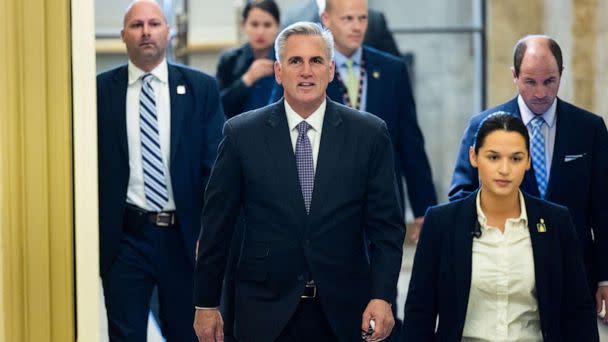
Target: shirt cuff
[
  {"x": 202, "y": 308},
  {"x": 603, "y": 283}
]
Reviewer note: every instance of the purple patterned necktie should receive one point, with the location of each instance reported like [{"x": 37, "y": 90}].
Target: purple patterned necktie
[{"x": 306, "y": 170}]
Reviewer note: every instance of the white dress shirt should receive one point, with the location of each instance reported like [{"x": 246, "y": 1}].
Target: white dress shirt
[
  {"x": 315, "y": 120},
  {"x": 502, "y": 300},
  {"x": 160, "y": 84},
  {"x": 547, "y": 129}
]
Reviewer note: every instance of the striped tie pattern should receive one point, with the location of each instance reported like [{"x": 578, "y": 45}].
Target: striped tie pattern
[
  {"x": 154, "y": 176},
  {"x": 538, "y": 154},
  {"x": 306, "y": 170}
]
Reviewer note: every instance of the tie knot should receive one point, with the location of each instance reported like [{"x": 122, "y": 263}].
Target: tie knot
[
  {"x": 349, "y": 63},
  {"x": 537, "y": 122},
  {"x": 303, "y": 127},
  {"x": 147, "y": 78}
]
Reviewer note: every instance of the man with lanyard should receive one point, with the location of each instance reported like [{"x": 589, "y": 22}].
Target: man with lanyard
[{"x": 376, "y": 82}]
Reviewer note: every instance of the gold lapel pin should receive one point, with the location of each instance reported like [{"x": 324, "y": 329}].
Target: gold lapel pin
[
  {"x": 541, "y": 227},
  {"x": 376, "y": 74}
]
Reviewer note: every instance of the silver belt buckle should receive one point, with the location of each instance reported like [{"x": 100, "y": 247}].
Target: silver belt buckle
[
  {"x": 164, "y": 219},
  {"x": 314, "y": 291}
]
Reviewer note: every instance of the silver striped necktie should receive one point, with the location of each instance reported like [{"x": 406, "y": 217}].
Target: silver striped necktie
[{"x": 154, "y": 176}]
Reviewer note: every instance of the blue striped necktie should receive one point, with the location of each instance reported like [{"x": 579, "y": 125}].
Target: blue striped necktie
[
  {"x": 538, "y": 154},
  {"x": 154, "y": 176},
  {"x": 304, "y": 162}
]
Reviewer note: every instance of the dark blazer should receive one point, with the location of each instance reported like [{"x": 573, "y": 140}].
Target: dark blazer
[
  {"x": 196, "y": 121},
  {"x": 233, "y": 64},
  {"x": 390, "y": 97},
  {"x": 378, "y": 35},
  {"x": 441, "y": 276},
  {"x": 580, "y": 184},
  {"x": 354, "y": 196}
]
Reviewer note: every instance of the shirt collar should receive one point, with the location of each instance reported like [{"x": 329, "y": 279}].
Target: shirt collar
[
  {"x": 341, "y": 59},
  {"x": 161, "y": 72},
  {"x": 483, "y": 220},
  {"x": 527, "y": 115},
  {"x": 315, "y": 120}
]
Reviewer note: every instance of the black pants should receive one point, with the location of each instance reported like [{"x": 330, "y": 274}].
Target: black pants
[
  {"x": 308, "y": 323},
  {"x": 149, "y": 256}
]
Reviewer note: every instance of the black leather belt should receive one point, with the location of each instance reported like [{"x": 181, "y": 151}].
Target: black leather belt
[
  {"x": 137, "y": 216},
  {"x": 310, "y": 290}
]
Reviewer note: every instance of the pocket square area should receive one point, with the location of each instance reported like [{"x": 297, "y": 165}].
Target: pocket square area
[{"x": 571, "y": 157}]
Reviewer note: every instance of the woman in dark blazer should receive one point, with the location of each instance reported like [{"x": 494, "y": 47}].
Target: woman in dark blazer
[
  {"x": 499, "y": 265},
  {"x": 246, "y": 74}
]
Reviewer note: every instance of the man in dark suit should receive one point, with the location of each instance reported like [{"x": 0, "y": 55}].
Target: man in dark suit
[
  {"x": 571, "y": 160},
  {"x": 159, "y": 126},
  {"x": 379, "y": 84},
  {"x": 323, "y": 229},
  {"x": 377, "y": 36}
]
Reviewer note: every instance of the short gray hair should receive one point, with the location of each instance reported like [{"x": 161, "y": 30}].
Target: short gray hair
[{"x": 304, "y": 28}]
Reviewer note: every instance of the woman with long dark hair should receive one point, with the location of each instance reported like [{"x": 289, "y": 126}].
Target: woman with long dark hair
[
  {"x": 499, "y": 265},
  {"x": 246, "y": 74}
]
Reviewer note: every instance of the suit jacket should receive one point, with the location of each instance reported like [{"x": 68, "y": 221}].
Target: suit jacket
[
  {"x": 577, "y": 178},
  {"x": 196, "y": 121},
  {"x": 233, "y": 64},
  {"x": 354, "y": 196},
  {"x": 378, "y": 35},
  {"x": 441, "y": 275},
  {"x": 390, "y": 97}
]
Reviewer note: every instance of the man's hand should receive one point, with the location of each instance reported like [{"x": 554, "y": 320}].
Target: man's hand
[
  {"x": 601, "y": 297},
  {"x": 414, "y": 233},
  {"x": 208, "y": 325},
  {"x": 380, "y": 312}
]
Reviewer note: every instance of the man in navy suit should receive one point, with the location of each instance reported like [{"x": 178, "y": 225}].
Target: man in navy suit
[
  {"x": 377, "y": 35},
  {"x": 573, "y": 156},
  {"x": 323, "y": 236},
  {"x": 159, "y": 126},
  {"x": 379, "y": 84}
]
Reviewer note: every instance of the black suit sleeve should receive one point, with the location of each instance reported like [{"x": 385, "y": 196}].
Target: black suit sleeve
[
  {"x": 212, "y": 126},
  {"x": 384, "y": 221},
  {"x": 599, "y": 190},
  {"x": 578, "y": 319},
  {"x": 222, "y": 205},
  {"x": 422, "y": 305},
  {"x": 464, "y": 179},
  {"x": 233, "y": 90}
]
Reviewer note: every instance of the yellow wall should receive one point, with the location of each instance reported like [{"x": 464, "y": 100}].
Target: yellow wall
[{"x": 36, "y": 225}]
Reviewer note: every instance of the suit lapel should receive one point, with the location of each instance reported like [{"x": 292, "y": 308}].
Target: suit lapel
[
  {"x": 541, "y": 247},
  {"x": 335, "y": 90},
  {"x": 118, "y": 95},
  {"x": 178, "y": 105},
  {"x": 280, "y": 147},
  {"x": 463, "y": 256},
  {"x": 373, "y": 73},
  {"x": 332, "y": 142},
  {"x": 563, "y": 134}
]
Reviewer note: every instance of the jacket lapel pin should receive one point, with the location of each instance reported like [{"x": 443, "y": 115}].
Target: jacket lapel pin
[
  {"x": 376, "y": 74},
  {"x": 181, "y": 89},
  {"x": 541, "y": 227}
]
